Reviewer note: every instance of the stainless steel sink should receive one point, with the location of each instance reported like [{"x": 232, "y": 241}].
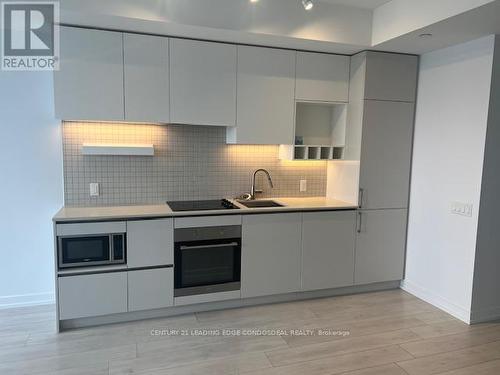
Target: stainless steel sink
[{"x": 260, "y": 204}]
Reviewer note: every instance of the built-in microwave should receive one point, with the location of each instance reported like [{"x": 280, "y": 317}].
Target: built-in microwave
[{"x": 85, "y": 248}]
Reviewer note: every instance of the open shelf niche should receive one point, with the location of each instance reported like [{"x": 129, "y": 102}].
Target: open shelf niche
[{"x": 319, "y": 132}]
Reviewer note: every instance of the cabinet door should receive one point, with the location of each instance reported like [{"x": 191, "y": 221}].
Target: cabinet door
[
  {"x": 146, "y": 78},
  {"x": 391, "y": 76},
  {"x": 270, "y": 259},
  {"x": 386, "y": 149},
  {"x": 266, "y": 91},
  {"x": 203, "y": 82},
  {"x": 322, "y": 77},
  {"x": 380, "y": 246},
  {"x": 150, "y": 289},
  {"x": 92, "y": 295},
  {"x": 89, "y": 84},
  {"x": 328, "y": 249},
  {"x": 150, "y": 243}
]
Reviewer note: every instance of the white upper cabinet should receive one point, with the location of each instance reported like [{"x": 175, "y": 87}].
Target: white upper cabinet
[
  {"x": 146, "y": 78},
  {"x": 391, "y": 76},
  {"x": 202, "y": 83},
  {"x": 89, "y": 84},
  {"x": 322, "y": 77},
  {"x": 266, "y": 95}
]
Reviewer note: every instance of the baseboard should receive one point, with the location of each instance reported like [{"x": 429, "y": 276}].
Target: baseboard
[
  {"x": 222, "y": 305},
  {"x": 485, "y": 315},
  {"x": 23, "y": 300},
  {"x": 437, "y": 301}
]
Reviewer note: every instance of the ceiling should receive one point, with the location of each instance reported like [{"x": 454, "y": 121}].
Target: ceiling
[
  {"x": 336, "y": 26},
  {"x": 364, "y": 4}
]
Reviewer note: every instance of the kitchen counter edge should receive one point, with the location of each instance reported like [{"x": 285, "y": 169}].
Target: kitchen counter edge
[{"x": 86, "y": 214}]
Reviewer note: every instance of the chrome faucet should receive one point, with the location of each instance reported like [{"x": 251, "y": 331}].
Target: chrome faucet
[{"x": 253, "y": 191}]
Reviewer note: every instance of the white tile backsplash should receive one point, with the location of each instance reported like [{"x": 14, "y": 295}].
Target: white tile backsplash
[{"x": 190, "y": 162}]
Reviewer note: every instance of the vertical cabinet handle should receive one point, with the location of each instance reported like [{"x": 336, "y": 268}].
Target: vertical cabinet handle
[
  {"x": 360, "y": 222},
  {"x": 361, "y": 196}
]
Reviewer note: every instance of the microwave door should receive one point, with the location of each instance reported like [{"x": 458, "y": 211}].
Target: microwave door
[{"x": 84, "y": 251}]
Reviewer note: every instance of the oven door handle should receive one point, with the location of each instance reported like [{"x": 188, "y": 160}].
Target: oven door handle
[{"x": 232, "y": 244}]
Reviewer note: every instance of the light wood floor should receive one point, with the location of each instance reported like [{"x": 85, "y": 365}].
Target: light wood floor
[{"x": 391, "y": 333}]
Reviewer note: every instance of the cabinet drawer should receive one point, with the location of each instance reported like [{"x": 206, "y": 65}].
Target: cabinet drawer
[
  {"x": 92, "y": 295},
  {"x": 150, "y": 289}
]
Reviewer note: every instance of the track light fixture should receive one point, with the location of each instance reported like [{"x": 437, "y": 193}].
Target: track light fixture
[{"x": 308, "y": 4}]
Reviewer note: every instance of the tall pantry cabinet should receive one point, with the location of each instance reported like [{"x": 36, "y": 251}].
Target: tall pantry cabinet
[{"x": 382, "y": 107}]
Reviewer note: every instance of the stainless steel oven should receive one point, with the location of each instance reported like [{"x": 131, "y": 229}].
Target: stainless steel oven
[
  {"x": 207, "y": 260},
  {"x": 85, "y": 245}
]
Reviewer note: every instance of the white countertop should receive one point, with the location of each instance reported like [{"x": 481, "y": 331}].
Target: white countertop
[{"x": 67, "y": 214}]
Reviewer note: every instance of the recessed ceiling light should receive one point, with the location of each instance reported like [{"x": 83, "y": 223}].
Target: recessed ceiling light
[
  {"x": 308, "y": 4},
  {"x": 254, "y": 1},
  {"x": 425, "y": 35}
]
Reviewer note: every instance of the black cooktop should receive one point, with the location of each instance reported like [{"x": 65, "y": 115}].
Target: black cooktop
[{"x": 208, "y": 205}]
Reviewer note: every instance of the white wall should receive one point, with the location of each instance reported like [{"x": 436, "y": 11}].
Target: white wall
[
  {"x": 343, "y": 181},
  {"x": 31, "y": 190},
  {"x": 486, "y": 297},
  {"x": 450, "y": 131},
  {"x": 399, "y": 17}
]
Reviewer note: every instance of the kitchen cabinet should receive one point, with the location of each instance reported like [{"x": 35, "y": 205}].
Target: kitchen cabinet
[
  {"x": 391, "y": 76},
  {"x": 328, "y": 249},
  {"x": 386, "y": 150},
  {"x": 265, "y": 97},
  {"x": 146, "y": 74},
  {"x": 270, "y": 259},
  {"x": 89, "y": 84},
  {"x": 380, "y": 246},
  {"x": 150, "y": 289},
  {"x": 203, "y": 82},
  {"x": 92, "y": 295},
  {"x": 322, "y": 77},
  {"x": 150, "y": 243}
]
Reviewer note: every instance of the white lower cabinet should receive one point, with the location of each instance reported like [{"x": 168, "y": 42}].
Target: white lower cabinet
[
  {"x": 84, "y": 296},
  {"x": 150, "y": 289},
  {"x": 328, "y": 249},
  {"x": 380, "y": 246},
  {"x": 150, "y": 243},
  {"x": 270, "y": 255}
]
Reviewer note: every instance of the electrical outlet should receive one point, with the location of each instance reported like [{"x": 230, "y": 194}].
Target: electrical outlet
[
  {"x": 303, "y": 186},
  {"x": 462, "y": 209},
  {"x": 94, "y": 189}
]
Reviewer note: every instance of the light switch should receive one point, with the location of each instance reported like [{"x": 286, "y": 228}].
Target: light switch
[
  {"x": 94, "y": 189},
  {"x": 303, "y": 186},
  {"x": 463, "y": 209}
]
